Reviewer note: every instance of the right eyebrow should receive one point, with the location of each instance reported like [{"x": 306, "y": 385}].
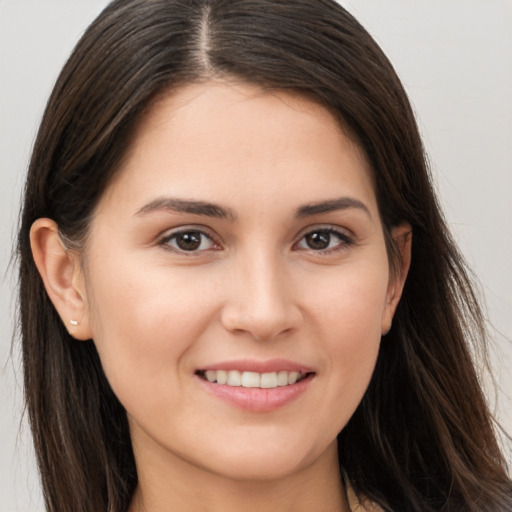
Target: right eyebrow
[
  {"x": 331, "y": 205},
  {"x": 175, "y": 205}
]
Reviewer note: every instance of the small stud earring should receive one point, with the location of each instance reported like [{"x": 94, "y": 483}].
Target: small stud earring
[{"x": 74, "y": 323}]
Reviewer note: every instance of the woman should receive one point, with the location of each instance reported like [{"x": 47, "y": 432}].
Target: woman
[{"x": 227, "y": 208}]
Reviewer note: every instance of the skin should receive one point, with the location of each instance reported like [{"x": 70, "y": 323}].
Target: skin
[{"x": 255, "y": 289}]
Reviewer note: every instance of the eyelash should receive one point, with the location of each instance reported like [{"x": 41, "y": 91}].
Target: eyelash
[
  {"x": 345, "y": 241},
  {"x": 165, "y": 241}
]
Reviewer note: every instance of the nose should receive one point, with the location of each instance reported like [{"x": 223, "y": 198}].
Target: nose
[{"x": 261, "y": 301}]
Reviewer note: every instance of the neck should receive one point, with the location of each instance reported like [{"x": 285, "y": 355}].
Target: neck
[{"x": 185, "y": 487}]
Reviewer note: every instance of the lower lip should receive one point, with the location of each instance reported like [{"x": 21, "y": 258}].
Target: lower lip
[{"x": 258, "y": 399}]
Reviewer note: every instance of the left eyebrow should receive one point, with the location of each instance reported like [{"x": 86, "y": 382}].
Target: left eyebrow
[
  {"x": 175, "y": 205},
  {"x": 331, "y": 205}
]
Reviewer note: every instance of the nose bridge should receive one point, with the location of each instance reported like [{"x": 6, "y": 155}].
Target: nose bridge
[{"x": 261, "y": 301}]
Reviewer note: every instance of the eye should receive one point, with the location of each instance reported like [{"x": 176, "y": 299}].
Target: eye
[
  {"x": 324, "y": 239},
  {"x": 189, "y": 240}
]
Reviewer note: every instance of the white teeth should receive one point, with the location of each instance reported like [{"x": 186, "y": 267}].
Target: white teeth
[
  {"x": 250, "y": 380},
  {"x": 211, "y": 375},
  {"x": 269, "y": 380},
  {"x": 282, "y": 379},
  {"x": 292, "y": 377},
  {"x": 234, "y": 378},
  {"x": 222, "y": 377},
  {"x": 253, "y": 379}
]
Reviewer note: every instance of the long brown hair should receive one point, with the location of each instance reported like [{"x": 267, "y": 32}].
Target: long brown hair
[{"x": 422, "y": 438}]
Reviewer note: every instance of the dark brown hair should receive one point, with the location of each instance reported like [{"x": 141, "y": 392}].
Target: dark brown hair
[{"x": 422, "y": 439}]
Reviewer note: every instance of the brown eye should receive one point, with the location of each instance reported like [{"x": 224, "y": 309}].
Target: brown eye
[
  {"x": 318, "y": 240},
  {"x": 188, "y": 241},
  {"x": 326, "y": 239}
]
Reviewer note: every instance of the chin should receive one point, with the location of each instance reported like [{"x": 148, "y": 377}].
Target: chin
[
  {"x": 258, "y": 468},
  {"x": 270, "y": 460}
]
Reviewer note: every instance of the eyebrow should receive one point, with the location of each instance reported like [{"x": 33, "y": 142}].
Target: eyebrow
[
  {"x": 175, "y": 205},
  {"x": 331, "y": 205}
]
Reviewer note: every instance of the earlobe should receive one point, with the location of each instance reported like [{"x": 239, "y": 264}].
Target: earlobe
[
  {"x": 402, "y": 236},
  {"x": 61, "y": 273}
]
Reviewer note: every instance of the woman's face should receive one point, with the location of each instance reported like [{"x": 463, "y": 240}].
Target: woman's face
[{"x": 240, "y": 240}]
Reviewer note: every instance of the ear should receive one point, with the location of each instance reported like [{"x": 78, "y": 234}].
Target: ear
[
  {"x": 62, "y": 276},
  {"x": 402, "y": 236}
]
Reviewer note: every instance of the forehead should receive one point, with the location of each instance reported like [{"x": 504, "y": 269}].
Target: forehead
[{"x": 217, "y": 137}]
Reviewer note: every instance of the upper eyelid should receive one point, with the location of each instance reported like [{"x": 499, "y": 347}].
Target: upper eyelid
[
  {"x": 168, "y": 234},
  {"x": 183, "y": 229},
  {"x": 325, "y": 227}
]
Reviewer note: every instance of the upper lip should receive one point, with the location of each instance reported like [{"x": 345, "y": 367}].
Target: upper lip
[{"x": 247, "y": 365}]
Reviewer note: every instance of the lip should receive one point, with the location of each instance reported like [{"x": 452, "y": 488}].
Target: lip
[
  {"x": 258, "y": 399},
  {"x": 271, "y": 365}
]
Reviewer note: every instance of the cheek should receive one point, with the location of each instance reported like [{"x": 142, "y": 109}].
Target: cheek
[
  {"x": 144, "y": 322},
  {"x": 349, "y": 304},
  {"x": 348, "y": 320}
]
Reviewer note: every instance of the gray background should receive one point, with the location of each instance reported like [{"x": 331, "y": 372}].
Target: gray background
[{"x": 455, "y": 59}]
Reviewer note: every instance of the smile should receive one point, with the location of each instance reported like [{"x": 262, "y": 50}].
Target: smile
[
  {"x": 256, "y": 386},
  {"x": 246, "y": 379}
]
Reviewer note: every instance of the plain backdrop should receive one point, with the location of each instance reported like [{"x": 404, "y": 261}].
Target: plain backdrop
[{"x": 455, "y": 59}]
